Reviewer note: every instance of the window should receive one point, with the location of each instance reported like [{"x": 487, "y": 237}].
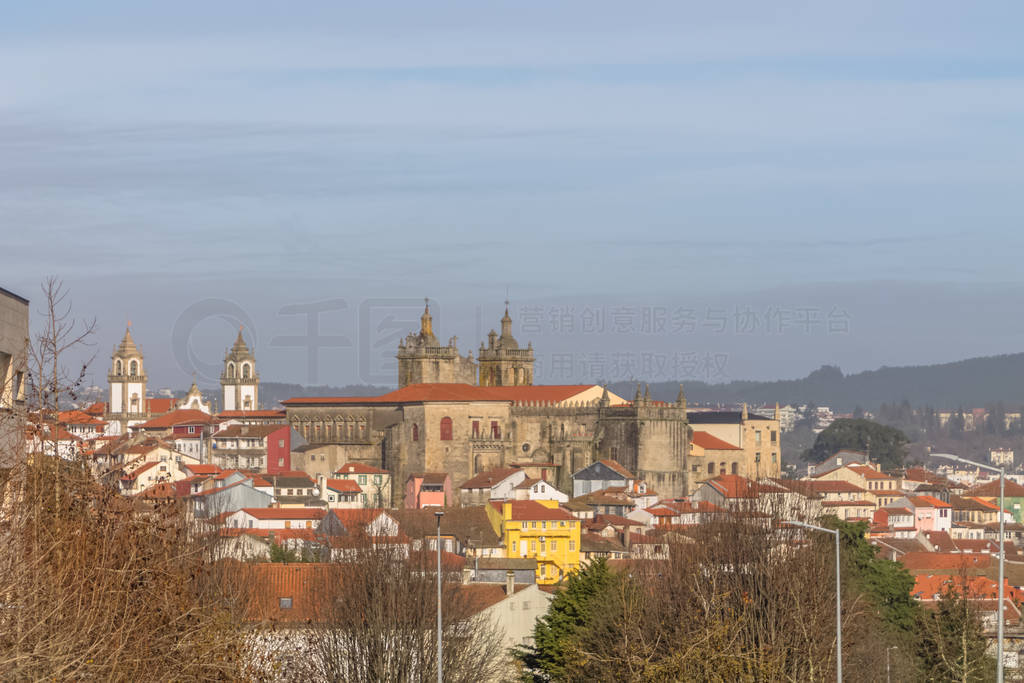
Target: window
[
  {"x": 533, "y": 546},
  {"x": 446, "y": 429},
  {"x": 757, "y": 437},
  {"x": 362, "y": 497},
  {"x": 735, "y": 468},
  {"x": 543, "y": 525},
  {"x": 250, "y": 523},
  {"x": 376, "y": 479},
  {"x": 285, "y": 603},
  {"x": 554, "y": 546},
  {"x": 309, "y": 524},
  {"x": 287, "y": 524},
  {"x": 362, "y": 480},
  {"x": 280, "y": 443},
  {"x": 572, "y": 546},
  {"x": 476, "y": 429},
  {"x": 134, "y": 367},
  {"x": 512, "y": 546},
  {"x": 495, "y": 430},
  {"x": 245, "y": 371},
  {"x": 415, "y": 432},
  {"x": 118, "y": 367},
  {"x": 533, "y": 525},
  {"x": 775, "y": 436},
  {"x": 330, "y": 498}
]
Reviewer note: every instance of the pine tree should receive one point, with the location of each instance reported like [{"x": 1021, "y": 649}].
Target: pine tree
[{"x": 567, "y": 617}]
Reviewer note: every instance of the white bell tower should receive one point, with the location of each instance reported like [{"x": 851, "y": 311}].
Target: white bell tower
[{"x": 239, "y": 380}]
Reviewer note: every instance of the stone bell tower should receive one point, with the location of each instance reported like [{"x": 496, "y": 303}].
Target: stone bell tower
[
  {"x": 502, "y": 362},
  {"x": 127, "y": 380}
]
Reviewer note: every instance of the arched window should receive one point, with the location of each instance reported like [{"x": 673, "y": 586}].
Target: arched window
[
  {"x": 446, "y": 429},
  {"x": 231, "y": 369},
  {"x": 247, "y": 403},
  {"x": 735, "y": 468},
  {"x": 245, "y": 371},
  {"x": 134, "y": 368},
  {"x": 415, "y": 432},
  {"x": 118, "y": 368},
  {"x": 711, "y": 468}
]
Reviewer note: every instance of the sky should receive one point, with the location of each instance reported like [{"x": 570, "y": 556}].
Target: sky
[{"x": 664, "y": 190}]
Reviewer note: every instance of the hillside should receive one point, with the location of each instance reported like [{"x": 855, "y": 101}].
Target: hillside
[{"x": 968, "y": 383}]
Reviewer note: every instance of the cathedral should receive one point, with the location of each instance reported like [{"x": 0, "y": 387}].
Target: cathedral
[{"x": 462, "y": 416}]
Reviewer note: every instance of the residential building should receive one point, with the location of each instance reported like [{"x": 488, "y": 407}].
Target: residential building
[
  {"x": 601, "y": 475},
  {"x": 756, "y": 435},
  {"x": 541, "y": 530},
  {"x": 538, "y": 489},
  {"x": 275, "y": 518},
  {"x": 374, "y": 483},
  {"x": 428, "y": 489},
  {"x": 496, "y": 484},
  {"x": 261, "y": 447}
]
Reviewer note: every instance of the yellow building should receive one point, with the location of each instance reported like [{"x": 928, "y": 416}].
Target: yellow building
[{"x": 541, "y": 530}]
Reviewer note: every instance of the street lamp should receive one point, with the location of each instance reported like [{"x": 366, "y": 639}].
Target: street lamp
[
  {"x": 1002, "y": 550},
  {"x": 887, "y": 650},
  {"x": 839, "y": 607},
  {"x": 440, "y": 676}
]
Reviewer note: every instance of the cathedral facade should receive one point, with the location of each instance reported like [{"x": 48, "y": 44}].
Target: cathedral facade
[{"x": 456, "y": 415}]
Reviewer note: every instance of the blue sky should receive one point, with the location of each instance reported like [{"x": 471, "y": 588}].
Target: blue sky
[{"x": 862, "y": 160}]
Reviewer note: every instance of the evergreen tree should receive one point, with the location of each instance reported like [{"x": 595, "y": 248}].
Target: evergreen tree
[
  {"x": 569, "y": 614},
  {"x": 952, "y": 644},
  {"x": 887, "y": 445}
]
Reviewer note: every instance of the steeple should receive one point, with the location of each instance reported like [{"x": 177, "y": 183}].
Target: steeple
[
  {"x": 639, "y": 396},
  {"x": 127, "y": 346},
  {"x": 647, "y": 393},
  {"x": 744, "y": 416},
  {"x": 681, "y": 398},
  {"x": 427, "y": 326},
  {"x": 605, "y": 399},
  {"x": 775, "y": 416}
]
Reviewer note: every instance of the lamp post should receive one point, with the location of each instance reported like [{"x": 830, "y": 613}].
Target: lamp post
[
  {"x": 887, "y": 650},
  {"x": 440, "y": 676},
  {"x": 839, "y": 604},
  {"x": 1002, "y": 551}
]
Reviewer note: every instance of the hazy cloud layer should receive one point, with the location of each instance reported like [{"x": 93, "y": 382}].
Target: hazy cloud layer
[{"x": 863, "y": 159}]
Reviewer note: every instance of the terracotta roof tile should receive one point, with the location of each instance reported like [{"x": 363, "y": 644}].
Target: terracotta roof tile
[
  {"x": 490, "y": 478},
  {"x": 711, "y": 442}
]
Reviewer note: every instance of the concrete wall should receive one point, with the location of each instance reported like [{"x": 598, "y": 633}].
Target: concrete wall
[{"x": 14, "y": 335}]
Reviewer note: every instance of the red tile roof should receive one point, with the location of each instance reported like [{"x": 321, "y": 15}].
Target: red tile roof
[
  {"x": 922, "y": 561},
  {"x": 160, "y": 405},
  {"x": 251, "y": 413},
  {"x": 343, "y": 485},
  {"x": 711, "y": 442},
  {"x": 177, "y": 417},
  {"x": 927, "y": 502},
  {"x": 1011, "y": 489},
  {"x": 457, "y": 393},
  {"x": 490, "y": 478},
  {"x": 868, "y": 472},
  {"x": 617, "y": 468},
  {"x": 285, "y": 513},
  {"x": 531, "y": 510},
  {"x": 131, "y": 476}
]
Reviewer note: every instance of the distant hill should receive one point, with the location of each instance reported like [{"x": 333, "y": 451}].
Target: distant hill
[{"x": 974, "y": 382}]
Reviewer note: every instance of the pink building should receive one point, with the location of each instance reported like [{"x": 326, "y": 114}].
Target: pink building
[
  {"x": 930, "y": 513},
  {"x": 428, "y": 489}
]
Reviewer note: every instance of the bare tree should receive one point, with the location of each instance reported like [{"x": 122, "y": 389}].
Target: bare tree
[
  {"x": 93, "y": 586},
  {"x": 376, "y": 621}
]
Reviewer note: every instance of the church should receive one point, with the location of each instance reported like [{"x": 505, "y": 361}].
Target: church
[
  {"x": 129, "y": 405},
  {"x": 462, "y": 416}
]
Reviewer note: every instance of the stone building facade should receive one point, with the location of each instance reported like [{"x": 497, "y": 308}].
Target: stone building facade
[
  {"x": 441, "y": 420},
  {"x": 422, "y": 359}
]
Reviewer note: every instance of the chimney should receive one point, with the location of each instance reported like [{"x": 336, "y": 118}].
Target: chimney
[
  {"x": 625, "y": 536},
  {"x": 321, "y": 484},
  {"x": 510, "y": 582}
]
